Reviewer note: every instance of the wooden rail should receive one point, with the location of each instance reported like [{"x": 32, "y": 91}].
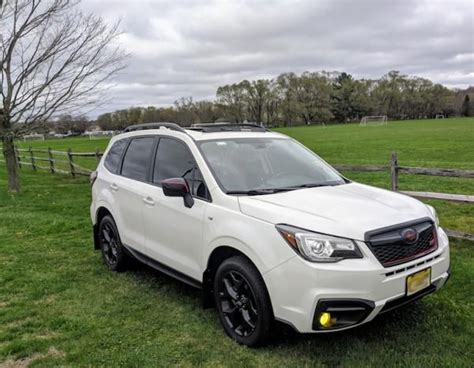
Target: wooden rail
[
  {"x": 436, "y": 172},
  {"x": 443, "y": 196},
  {"x": 396, "y": 169},
  {"x": 459, "y": 234},
  {"x": 27, "y": 157},
  {"x": 362, "y": 168}
]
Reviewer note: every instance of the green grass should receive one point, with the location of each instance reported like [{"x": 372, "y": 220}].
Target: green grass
[
  {"x": 55, "y": 292},
  {"x": 60, "y": 306},
  {"x": 446, "y": 143}
]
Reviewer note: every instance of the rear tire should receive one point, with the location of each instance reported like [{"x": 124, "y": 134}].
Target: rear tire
[
  {"x": 109, "y": 241},
  {"x": 242, "y": 301}
]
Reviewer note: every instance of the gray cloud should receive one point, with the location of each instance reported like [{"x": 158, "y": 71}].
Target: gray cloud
[{"x": 184, "y": 48}]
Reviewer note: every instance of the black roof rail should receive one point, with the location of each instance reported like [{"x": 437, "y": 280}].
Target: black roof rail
[
  {"x": 228, "y": 127},
  {"x": 171, "y": 126}
]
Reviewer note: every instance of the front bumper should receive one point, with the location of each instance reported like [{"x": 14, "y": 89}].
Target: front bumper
[{"x": 297, "y": 286}]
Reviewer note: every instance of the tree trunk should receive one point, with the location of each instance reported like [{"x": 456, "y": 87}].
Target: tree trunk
[{"x": 10, "y": 158}]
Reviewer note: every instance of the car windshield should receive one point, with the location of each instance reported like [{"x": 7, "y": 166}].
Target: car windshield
[{"x": 265, "y": 165}]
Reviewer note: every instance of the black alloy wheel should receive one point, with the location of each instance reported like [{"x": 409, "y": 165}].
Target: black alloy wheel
[
  {"x": 110, "y": 244},
  {"x": 238, "y": 304},
  {"x": 242, "y": 301}
]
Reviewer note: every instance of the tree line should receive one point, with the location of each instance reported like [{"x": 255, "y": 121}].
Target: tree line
[{"x": 308, "y": 98}]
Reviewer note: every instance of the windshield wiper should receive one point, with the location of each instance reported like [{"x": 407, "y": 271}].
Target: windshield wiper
[
  {"x": 283, "y": 189},
  {"x": 316, "y": 185},
  {"x": 253, "y": 192}
]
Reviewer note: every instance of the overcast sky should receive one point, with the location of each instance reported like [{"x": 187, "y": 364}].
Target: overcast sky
[{"x": 189, "y": 48}]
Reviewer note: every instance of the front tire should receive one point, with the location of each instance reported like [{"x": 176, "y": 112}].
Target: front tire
[
  {"x": 111, "y": 246},
  {"x": 242, "y": 301}
]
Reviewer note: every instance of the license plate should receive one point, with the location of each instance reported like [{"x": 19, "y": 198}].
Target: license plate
[{"x": 418, "y": 281}]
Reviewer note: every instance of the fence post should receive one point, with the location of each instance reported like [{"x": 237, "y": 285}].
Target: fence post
[
  {"x": 71, "y": 162},
  {"x": 97, "y": 155},
  {"x": 394, "y": 171},
  {"x": 51, "y": 160},
  {"x": 18, "y": 158},
  {"x": 33, "y": 165}
]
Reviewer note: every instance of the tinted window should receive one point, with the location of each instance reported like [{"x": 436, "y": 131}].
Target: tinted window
[
  {"x": 115, "y": 153},
  {"x": 137, "y": 158},
  {"x": 174, "y": 160}
]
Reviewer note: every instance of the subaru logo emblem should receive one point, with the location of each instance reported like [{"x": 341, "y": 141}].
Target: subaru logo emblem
[{"x": 409, "y": 236}]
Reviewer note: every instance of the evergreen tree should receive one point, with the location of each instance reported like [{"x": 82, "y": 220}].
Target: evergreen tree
[{"x": 466, "y": 106}]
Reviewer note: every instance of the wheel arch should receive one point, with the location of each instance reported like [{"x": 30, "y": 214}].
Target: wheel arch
[
  {"x": 100, "y": 213},
  {"x": 215, "y": 258}
]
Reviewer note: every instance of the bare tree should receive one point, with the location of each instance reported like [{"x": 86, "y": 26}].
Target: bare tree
[{"x": 54, "y": 60}]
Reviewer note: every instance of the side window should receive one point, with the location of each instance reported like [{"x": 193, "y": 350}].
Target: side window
[
  {"x": 112, "y": 160},
  {"x": 173, "y": 160},
  {"x": 137, "y": 158}
]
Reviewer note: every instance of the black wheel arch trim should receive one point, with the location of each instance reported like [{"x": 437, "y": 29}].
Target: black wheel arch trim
[
  {"x": 225, "y": 251},
  {"x": 287, "y": 323},
  {"x": 100, "y": 213},
  {"x": 95, "y": 231}
]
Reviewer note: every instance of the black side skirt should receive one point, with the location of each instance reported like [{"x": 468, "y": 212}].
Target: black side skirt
[{"x": 163, "y": 268}]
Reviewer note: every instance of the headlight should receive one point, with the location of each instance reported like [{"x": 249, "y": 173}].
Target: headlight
[
  {"x": 317, "y": 247},
  {"x": 435, "y": 215}
]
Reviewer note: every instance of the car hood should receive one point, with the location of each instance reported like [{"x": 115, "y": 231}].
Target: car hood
[{"x": 348, "y": 210}]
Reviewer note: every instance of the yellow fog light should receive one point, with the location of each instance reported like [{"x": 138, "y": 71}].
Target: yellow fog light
[{"x": 325, "y": 320}]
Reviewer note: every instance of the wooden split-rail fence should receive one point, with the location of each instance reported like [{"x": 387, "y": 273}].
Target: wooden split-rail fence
[
  {"x": 395, "y": 169},
  {"x": 55, "y": 161},
  {"x": 63, "y": 162}
]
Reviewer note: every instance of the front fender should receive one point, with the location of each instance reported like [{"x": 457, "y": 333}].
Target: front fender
[
  {"x": 234, "y": 243},
  {"x": 258, "y": 240}
]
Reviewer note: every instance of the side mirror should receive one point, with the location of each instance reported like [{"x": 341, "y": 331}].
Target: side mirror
[{"x": 178, "y": 187}]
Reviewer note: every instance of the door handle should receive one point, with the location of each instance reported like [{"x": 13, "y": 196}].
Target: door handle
[
  {"x": 114, "y": 187},
  {"x": 149, "y": 201}
]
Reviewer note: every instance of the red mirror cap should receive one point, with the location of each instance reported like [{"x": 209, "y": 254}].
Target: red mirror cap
[{"x": 175, "y": 186}]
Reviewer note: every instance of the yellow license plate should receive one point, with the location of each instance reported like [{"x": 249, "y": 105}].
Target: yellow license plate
[{"x": 418, "y": 281}]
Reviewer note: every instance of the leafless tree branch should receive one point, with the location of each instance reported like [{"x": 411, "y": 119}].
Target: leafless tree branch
[
  {"x": 53, "y": 56},
  {"x": 54, "y": 59}
]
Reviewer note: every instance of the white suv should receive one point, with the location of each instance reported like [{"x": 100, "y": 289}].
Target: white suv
[{"x": 264, "y": 227}]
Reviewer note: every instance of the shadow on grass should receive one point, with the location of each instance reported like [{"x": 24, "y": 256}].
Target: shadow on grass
[{"x": 157, "y": 280}]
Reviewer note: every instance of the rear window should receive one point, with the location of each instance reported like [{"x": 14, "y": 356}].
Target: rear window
[
  {"x": 137, "y": 158},
  {"x": 112, "y": 160}
]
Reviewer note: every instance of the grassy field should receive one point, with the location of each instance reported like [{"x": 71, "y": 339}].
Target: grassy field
[{"x": 59, "y": 305}]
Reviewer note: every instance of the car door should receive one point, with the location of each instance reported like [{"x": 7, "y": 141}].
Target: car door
[
  {"x": 130, "y": 189},
  {"x": 174, "y": 232}
]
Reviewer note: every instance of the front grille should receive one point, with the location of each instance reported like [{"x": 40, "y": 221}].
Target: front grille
[{"x": 390, "y": 248}]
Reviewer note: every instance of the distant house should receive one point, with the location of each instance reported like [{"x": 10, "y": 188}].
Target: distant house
[{"x": 97, "y": 133}]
